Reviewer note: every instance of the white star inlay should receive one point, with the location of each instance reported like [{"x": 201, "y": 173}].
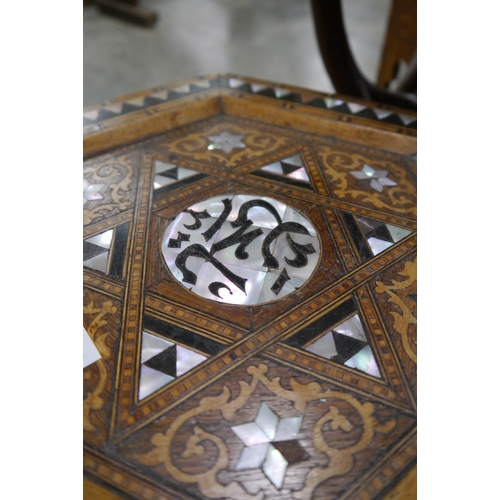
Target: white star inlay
[
  {"x": 226, "y": 142},
  {"x": 378, "y": 178},
  {"x": 260, "y": 435}
]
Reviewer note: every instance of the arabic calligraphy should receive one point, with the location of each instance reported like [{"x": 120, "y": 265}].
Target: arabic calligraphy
[{"x": 241, "y": 249}]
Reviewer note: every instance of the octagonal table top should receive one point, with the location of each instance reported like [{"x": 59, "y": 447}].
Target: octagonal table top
[{"x": 249, "y": 294}]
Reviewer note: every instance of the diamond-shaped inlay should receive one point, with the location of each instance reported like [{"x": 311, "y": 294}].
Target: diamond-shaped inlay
[
  {"x": 91, "y": 192},
  {"x": 271, "y": 443},
  {"x": 226, "y": 141},
  {"x": 378, "y": 178}
]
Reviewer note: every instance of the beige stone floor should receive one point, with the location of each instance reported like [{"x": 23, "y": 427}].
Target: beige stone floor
[{"x": 268, "y": 39}]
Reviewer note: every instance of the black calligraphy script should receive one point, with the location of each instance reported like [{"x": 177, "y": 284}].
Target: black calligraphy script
[{"x": 242, "y": 239}]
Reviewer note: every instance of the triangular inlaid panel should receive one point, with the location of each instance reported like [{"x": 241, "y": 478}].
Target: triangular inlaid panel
[
  {"x": 291, "y": 170},
  {"x": 346, "y": 347},
  {"x": 344, "y": 344},
  {"x": 162, "y": 361},
  {"x": 106, "y": 251},
  {"x": 365, "y": 361},
  {"x": 372, "y": 237},
  {"x": 348, "y": 343},
  {"x": 167, "y": 173},
  {"x": 96, "y": 251}
]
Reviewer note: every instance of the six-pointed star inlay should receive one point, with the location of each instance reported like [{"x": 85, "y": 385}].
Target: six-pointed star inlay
[
  {"x": 226, "y": 142},
  {"x": 378, "y": 178},
  {"x": 270, "y": 442}
]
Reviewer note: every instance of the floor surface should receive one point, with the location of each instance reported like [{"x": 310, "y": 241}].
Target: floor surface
[{"x": 272, "y": 40}]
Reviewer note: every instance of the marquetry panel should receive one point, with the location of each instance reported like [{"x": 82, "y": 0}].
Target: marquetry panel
[
  {"x": 395, "y": 291},
  {"x": 250, "y": 285},
  {"x": 209, "y": 143},
  {"x": 101, "y": 319},
  {"x": 109, "y": 186},
  {"x": 332, "y": 437},
  {"x": 364, "y": 177}
]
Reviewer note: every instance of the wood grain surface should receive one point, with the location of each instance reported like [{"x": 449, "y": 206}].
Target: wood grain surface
[{"x": 344, "y": 422}]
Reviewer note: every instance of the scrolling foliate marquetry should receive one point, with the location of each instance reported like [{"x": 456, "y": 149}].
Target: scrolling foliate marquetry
[
  {"x": 396, "y": 291},
  {"x": 350, "y": 176},
  {"x": 339, "y": 436},
  {"x": 109, "y": 186},
  {"x": 195, "y": 143},
  {"x": 100, "y": 319}
]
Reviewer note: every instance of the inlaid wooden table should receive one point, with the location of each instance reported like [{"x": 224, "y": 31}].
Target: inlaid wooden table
[{"x": 250, "y": 289}]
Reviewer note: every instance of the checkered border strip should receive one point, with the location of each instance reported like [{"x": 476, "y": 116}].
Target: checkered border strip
[{"x": 160, "y": 95}]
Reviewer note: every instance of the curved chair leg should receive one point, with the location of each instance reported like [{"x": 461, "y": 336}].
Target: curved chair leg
[{"x": 339, "y": 61}]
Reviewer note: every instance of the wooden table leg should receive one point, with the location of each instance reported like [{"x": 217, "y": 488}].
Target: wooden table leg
[{"x": 128, "y": 11}]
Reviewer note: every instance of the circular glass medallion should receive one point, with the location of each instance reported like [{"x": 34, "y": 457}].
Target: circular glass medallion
[{"x": 241, "y": 249}]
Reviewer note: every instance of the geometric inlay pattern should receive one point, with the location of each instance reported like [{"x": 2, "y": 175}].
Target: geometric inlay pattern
[
  {"x": 290, "y": 170},
  {"x": 334, "y": 104},
  {"x": 241, "y": 249},
  {"x": 271, "y": 443},
  {"x": 162, "y": 361},
  {"x": 209, "y": 386},
  {"x": 291, "y": 167},
  {"x": 226, "y": 142},
  {"x": 372, "y": 237},
  {"x": 96, "y": 251},
  {"x": 265, "y": 432},
  {"x": 376, "y": 179},
  {"x": 168, "y": 173},
  {"x": 153, "y": 99},
  {"x": 347, "y": 344},
  {"x": 380, "y": 235},
  {"x": 106, "y": 251},
  {"x": 161, "y": 96},
  {"x": 91, "y": 191}
]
